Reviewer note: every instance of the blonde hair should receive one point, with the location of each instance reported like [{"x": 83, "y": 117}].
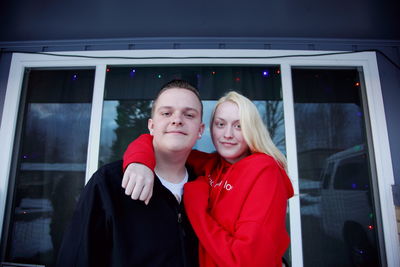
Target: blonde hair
[{"x": 254, "y": 131}]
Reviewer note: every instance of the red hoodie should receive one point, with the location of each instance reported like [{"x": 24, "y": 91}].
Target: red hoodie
[{"x": 237, "y": 210}]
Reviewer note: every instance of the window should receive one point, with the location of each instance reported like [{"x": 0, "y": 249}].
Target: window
[
  {"x": 50, "y": 162},
  {"x": 330, "y": 126},
  {"x": 129, "y": 92},
  {"x": 351, "y": 174}
]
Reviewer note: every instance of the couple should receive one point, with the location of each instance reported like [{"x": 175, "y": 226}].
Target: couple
[{"x": 236, "y": 206}]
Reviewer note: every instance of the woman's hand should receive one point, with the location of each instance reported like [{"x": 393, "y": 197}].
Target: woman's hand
[{"x": 138, "y": 182}]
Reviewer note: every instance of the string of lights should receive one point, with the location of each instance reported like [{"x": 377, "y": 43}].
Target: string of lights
[{"x": 209, "y": 57}]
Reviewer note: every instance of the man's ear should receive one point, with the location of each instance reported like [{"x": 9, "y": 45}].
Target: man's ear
[
  {"x": 201, "y": 130},
  {"x": 150, "y": 126}
]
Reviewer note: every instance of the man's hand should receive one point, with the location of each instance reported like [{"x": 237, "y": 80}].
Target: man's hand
[{"x": 138, "y": 182}]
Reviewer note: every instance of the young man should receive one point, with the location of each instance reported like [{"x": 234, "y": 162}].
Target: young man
[{"x": 109, "y": 229}]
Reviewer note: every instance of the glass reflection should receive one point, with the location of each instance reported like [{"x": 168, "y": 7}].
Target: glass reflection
[
  {"x": 123, "y": 121},
  {"x": 52, "y": 171},
  {"x": 130, "y": 89},
  {"x": 337, "y": 211},
  {"x": 129, "y": 92},
  {"x": 50, "y": 162}
]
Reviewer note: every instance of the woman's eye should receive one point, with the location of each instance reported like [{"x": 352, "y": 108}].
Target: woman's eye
[
  {"x": 237, "y": 126},
  {"x": 219, "y": 124}
]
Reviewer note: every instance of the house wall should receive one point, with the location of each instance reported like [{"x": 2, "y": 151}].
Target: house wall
[{"x": 24, "y": 20}]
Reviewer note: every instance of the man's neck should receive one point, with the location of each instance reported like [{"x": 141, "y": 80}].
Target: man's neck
[{"x": 171, "y": 166}]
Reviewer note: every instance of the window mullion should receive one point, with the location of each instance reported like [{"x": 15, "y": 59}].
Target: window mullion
[
  {"x": 95, "y": 121},
  {"x": 291, "y": 149}
]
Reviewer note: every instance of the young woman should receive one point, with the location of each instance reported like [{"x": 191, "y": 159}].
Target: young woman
[{"x": 237, "y": 205}]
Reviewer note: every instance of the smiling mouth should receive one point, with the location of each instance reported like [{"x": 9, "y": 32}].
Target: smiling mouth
[
  {"x": 175, "y": 132},
  {"x": 228, "y": 143}
]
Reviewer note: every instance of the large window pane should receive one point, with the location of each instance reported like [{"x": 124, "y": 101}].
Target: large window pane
[
  {"x": 337, "y": 211},
  {"x": 129, "y": 92},
  {"x": 50, "y": 163}
]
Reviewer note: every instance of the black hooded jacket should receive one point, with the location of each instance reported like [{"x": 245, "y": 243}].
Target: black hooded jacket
[{"x": 108, "y": 228}]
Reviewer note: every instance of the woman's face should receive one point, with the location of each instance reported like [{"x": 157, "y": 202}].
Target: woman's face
[{"x": 227, "y": 134}]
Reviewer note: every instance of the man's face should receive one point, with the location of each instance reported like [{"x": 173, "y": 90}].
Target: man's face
[{"x": 176, "y": 122}]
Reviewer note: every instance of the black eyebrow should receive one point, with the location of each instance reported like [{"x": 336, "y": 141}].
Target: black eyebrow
[{"x": 171, "y": 107}]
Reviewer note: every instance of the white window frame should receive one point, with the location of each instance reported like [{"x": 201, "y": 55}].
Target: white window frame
[{"x": 366, "y": 60}]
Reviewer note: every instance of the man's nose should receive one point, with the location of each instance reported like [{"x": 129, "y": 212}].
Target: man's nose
[{"x": 177, "y": 119}]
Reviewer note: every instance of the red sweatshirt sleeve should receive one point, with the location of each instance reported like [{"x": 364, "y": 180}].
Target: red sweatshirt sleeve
[
  {"x": 141, "y": 151},
  {"x": 260, "y": 237}
]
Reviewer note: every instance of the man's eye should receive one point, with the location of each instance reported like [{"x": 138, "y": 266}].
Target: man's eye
[
  {"x": 189, "y": 115},
  {"x": 165, "y": 114}
]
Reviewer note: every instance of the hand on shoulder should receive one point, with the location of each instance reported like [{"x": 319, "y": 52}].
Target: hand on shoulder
[{"x": 138, "y": 182}]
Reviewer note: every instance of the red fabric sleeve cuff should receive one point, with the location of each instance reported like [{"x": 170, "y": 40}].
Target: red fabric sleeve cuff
[{"x": 140, "y": 151}]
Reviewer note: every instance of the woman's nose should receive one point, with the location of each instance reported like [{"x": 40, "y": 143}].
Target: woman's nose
[{"x": 228, "y": 132}]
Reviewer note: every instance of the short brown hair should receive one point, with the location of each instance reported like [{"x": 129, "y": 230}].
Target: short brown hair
[{"x": 178, "y": 84}]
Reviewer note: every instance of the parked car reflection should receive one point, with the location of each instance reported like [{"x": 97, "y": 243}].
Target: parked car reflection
[{"x": 346, "y": 204}]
